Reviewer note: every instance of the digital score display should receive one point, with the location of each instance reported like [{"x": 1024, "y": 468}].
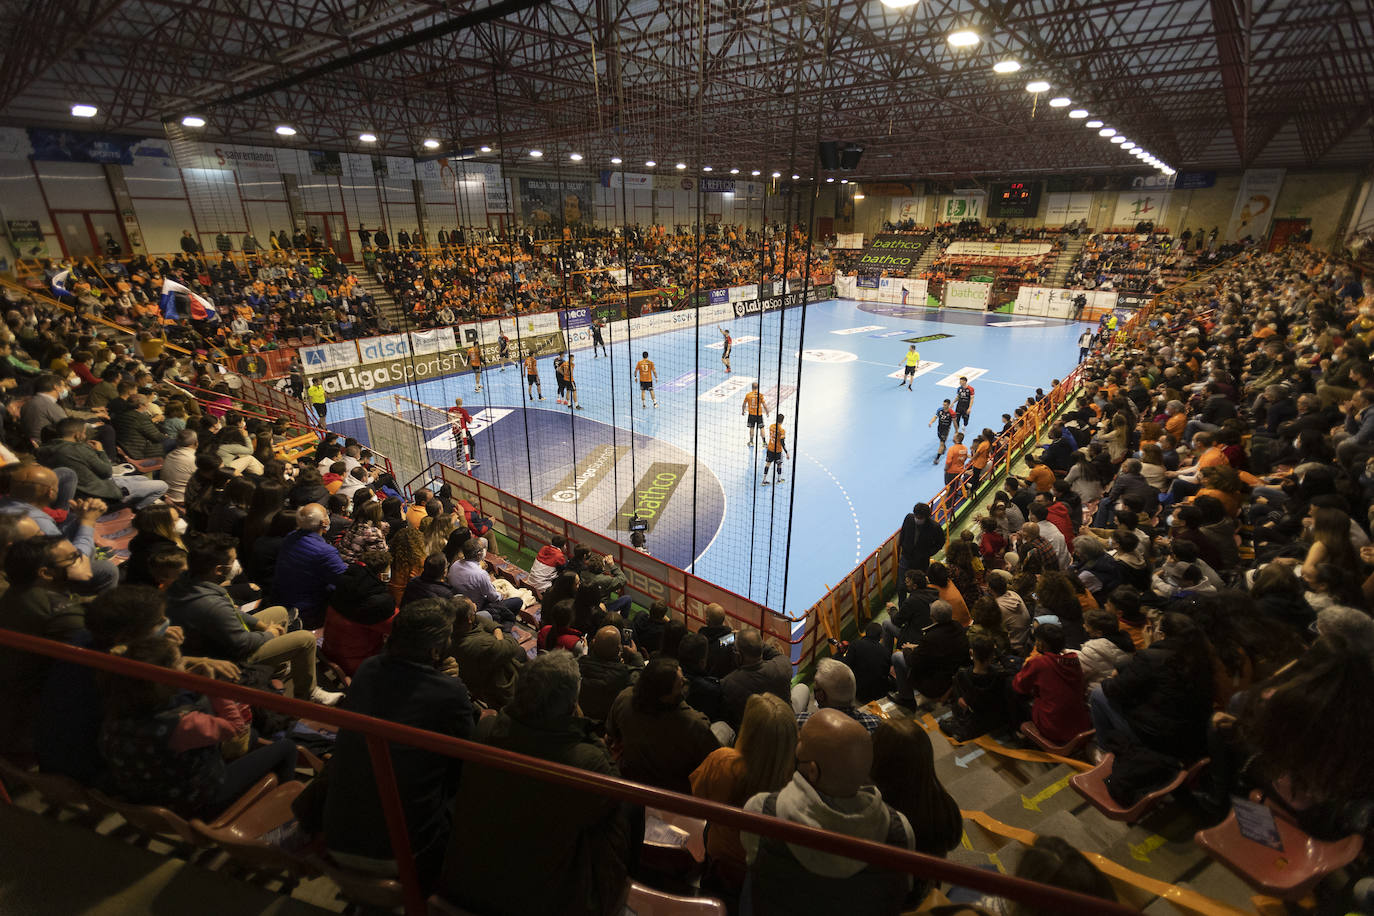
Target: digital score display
[{"x": 1014, "y": 199}]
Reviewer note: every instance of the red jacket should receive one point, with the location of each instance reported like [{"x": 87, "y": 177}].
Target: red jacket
[
  {"x": 1056, "y": 683},
  {"x": 1059, "y": 518}
]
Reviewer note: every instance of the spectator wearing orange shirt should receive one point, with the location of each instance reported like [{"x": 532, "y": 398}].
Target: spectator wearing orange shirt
[
  {"x": 955, "y": 458},
  {"x": 982, "y": 454}
]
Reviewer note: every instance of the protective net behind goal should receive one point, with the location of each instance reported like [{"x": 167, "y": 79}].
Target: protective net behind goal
[{"x": 411, "y": 433}]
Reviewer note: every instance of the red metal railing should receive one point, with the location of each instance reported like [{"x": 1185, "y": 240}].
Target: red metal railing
[{"x": 380, "y": 732}]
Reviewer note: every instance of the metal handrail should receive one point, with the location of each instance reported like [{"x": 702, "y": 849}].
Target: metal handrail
[{"x": 380, "y": 731}]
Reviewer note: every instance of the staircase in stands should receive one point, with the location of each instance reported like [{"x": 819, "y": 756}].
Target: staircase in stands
[{"x": 1068, "y": 256}]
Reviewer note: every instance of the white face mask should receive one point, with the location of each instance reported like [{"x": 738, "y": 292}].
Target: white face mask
[
  {"x": 235, "y": 570},
  {"x": 180, "y": 528}
]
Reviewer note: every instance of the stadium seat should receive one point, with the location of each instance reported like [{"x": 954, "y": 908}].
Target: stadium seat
[
  {"x": 362, "y": 889},
  {"x": 156, "y": 820},
  {"x": 251, "y": 840},
  {"x": 144, "y": 465},
  {"x": 349, "y": 644},
  {"x": 645, "y": 901},
  {"x": 1092, "y": 785},
  {"x": 57, "y": 790},
  {"x": 112, "y": 522},
  {"x": 1067, "y": 749},
  {"x": 673, "y": 843},
  {"x": 1288, "y": 874}
]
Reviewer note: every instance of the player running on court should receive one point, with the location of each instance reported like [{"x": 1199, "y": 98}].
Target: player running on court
[
  {"x": 909, "y": 366},
  {"x": 945, "y": 417},
  {"x": 532, "y": 377},
  {"x": 558, "y": 376},
  {"x": 503, "y": 345},
  {"x": 569, "y": 384},
  {"x": 963, "y": 402},
  {"x": 777, "y": 448},
  {"x": 598, "y": 340},
  {"x": 460, "y": 420},
  {"x": 754, "y": 407},
  {"x": 725, "y": 354},
  {"x": 647, "y": 372},
  {"x": 475, "y": 362}
]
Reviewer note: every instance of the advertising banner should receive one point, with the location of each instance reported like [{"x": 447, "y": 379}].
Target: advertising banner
[
  {"x": 893, "y": 250},
  {"x": 907, "y": 208},
  {"x": 496, "y": 188},
  {"x": 717, "y": 296},
  {"x": 960, "y": 294},
  {"x": 1000, "y": 249},
  {"x": 741, "y": 293},
  {"x": 575, "y": 318},
  {"x": 545, "y": 200},
  {"x": 377, "y": 349},
  {"x": 866, "y": 282},
  {"x": 1188, "y": 181},
  {"x": 255, "y": 160},
  {"x": 27, "y": 238},
  {"x": 849, "y": 241},
  {"x": 1134, "y": 206},
  {"x": 1053, "y": 302},
  {"x": 339, "y": 382},
  {"x": 953, "y": 209},
  {"x": 104, "y": 149},
  {"x": 1065, "y": 207},
  {"x": 629, "y": 180},
  {"x": 435, "y": 340},
  {"x": 718, "y": 185},
  {"x": 328, "y": 357},
  {"x": 1259, "y": 191}
]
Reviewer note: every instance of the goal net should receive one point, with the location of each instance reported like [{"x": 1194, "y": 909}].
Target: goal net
[{"x": 412, "y": 434}]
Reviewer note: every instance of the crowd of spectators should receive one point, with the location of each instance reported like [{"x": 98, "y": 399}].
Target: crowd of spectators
[
  {"x": 1145, "y": 262},
  {"x": 1186, "y": 567}
]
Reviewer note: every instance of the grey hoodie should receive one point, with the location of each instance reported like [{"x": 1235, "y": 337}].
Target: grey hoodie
[{"x": 864, "y": 816}]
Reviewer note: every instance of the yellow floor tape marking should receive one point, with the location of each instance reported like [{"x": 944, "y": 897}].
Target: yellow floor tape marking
[{"x": 1045, "y": 794}]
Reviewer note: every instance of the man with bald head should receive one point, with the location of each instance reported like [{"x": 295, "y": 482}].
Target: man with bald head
[
  {"x": 307, "y": 567},
  {"x": 831, "y": 790},
  {"x": 607, "y": 669},
  {"x": 32, "y": 489}
]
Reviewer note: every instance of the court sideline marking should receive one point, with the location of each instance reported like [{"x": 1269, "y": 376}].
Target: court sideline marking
[{"x": 858, "y": 532}]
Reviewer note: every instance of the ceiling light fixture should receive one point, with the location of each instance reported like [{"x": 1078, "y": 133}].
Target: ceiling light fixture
[
  {"x": 734, "y": 171},
  {"x": 368, "y": 138},
  {"x": 484, "y": 149},
  {"x": 777, "y": 174},
  {"x": 575, "y": 157},
  {"x": 1128, "y": 145},
  {"x": 1037, "y": 86},
  {"x": 680, "y": 166},
  {"x": 844, "y": 181},
  {"x": 286, "y": 131},
  {"x": 706, "y": 168},
  {"x": 899, "y": 4},
  {"x": 84, "y": 111},
  {"x": 964, "y": 38},
  {"x": 1079, "y": 113},
  {"x": 1107, "y": 132},
  {"x": 1059, "y": 102},
  {"x": 649, "y": 163},
  {"x": 616, "y": 160},
  {"x": 1006, "y": 66},
  {"x": 829, "y": 180},
  {"x": 1118, "y": 139},
  {"x": 756, "y": 173},
  {"x": 1092, "y": 125},
  {"x": 431, "y": 143},
  {"x": 193, "y": 121},
  {"x": 796, "y": 178},
  {"x": 536, "y": 154}
]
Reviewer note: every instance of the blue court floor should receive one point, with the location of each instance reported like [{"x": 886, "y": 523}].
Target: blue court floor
[{"x": 861, "y": 450}]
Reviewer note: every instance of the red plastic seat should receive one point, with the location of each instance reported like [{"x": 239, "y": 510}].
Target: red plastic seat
[
  {"x": 1068, "y": 749},
  {"x": 645, "y": 901},
  {"x": 361, "y": 888},
  {"x": 1288, "y": 874},
  {"x": 348, "y": 644},
  {"x": 57, "y": 790},
  {"x": 1092, "y": 785}
]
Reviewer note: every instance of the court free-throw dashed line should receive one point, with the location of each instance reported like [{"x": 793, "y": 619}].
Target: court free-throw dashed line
[{"x": 858, "y": 533}]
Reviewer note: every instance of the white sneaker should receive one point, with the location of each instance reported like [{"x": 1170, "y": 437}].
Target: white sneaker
[{"x": 325, "y": 697}]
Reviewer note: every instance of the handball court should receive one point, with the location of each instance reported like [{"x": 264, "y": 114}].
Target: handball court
[{"x": 861, "y": 450}]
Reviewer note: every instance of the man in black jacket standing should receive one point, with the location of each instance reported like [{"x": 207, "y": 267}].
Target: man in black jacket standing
[{"x": 921, "y": 538}]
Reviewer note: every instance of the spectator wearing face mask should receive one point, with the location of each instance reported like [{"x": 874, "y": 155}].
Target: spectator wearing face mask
[
  {"x": 307, "y": 566},
  {"x": 215, "y": 627}
]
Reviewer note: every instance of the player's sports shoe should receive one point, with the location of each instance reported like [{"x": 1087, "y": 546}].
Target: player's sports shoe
[
  {"x": 935, "y": 460},
  {"x": 578, "y": 407},
  {"x": 541, "y": 397},
  {"x": 655, "y": 405},
  {"x": 765, "y": 481},
  {"x": 778, "y": 479}
]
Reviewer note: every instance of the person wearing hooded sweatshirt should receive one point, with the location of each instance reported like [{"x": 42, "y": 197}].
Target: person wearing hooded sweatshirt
[
  {"x": 1053, "y": 679},
  {"x": 550, "y": 559},
  {"x": 830, "y": 790},
  {"x": 1105, "y": 649}
]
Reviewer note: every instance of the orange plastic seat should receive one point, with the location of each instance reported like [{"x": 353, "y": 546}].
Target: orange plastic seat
[
  {"x": 1290, "y": 873},
  {"x": 1092, "y": 785},
  {"x": 247, "y": 838},
  {"x": 645, "y": 901},
  {"x": 665, "y": 853},
  {"x": 156, "y": 820},
  {"x": 1068, "y": 749}
]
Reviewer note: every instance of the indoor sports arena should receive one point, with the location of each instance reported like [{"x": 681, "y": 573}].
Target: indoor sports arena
[{"x": 575, "y": 457}]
